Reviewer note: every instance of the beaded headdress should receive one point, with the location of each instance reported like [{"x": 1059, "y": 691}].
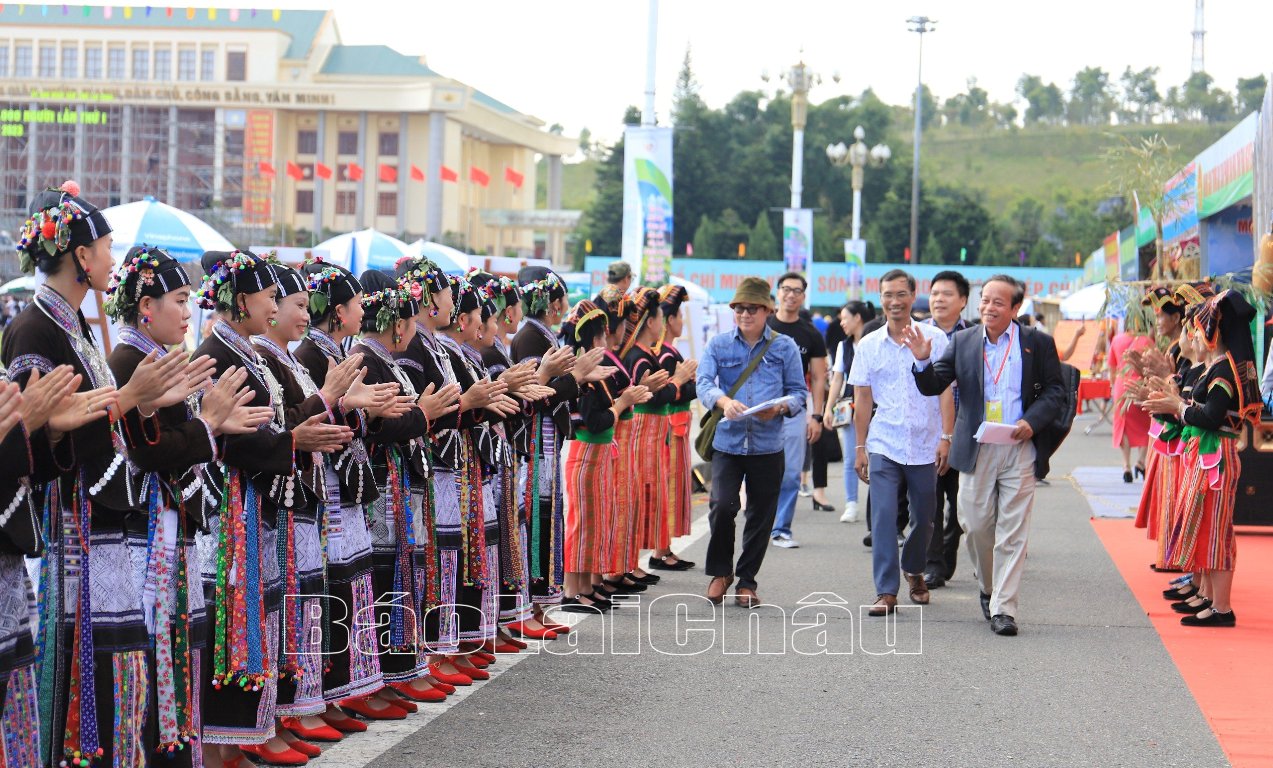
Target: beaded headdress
[{"x": 145, "y": 271}]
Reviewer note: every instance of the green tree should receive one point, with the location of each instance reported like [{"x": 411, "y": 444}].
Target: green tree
[
  {"x": 733, "y": 230},
  {"x": 1250, "y": 94},
  {"x": 1140, "y": 95},
  {"x": 1195, "y": 94},
  {"x": 706, "y": 239},
  {"x": 695, "y": 166},
  {"x": 1091, "y": 97},
  {"x": 762, "y": 244},
  {"x": 959, "y": 220},
  {"x": 1046, "y": 103},
  {"x": 603, "y": 221}
]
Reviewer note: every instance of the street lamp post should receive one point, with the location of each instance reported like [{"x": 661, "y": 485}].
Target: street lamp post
[
  {"x": 801, "y": 79},
  {"x": 920, "y": 25},
  {"x": 858, "y": 156}
]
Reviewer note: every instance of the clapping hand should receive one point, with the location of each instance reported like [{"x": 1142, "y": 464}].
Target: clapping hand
[
  {"x": 395, "y": 407},
  {"x": 535, "y": 392},
  {"x": 225, "y": 405},
  {"x": 439, "y": 402},
  {"x": 44, "y": 394},
  {"x": 634, "y": 395},
  {"x": 517, "y": 378},
  {"x": 197, "y": 377},
  {"x": 360, "y": 394},
  {"x": 556, "y": 362},
  {"x": 586, "y": 364},
  {"x": 921, "y": 346},
  {"x": 80, "y": 408},
  {"x": 685, "y": 372},
  {"x": 10, "y": 402},
  {"x": 340, "y": 377},
  {"x": 315, "y": 436},
  {"x": 152, "y": 379},
  {"x": 481, "y": 394},
  {"x": 656, "y": 380}
]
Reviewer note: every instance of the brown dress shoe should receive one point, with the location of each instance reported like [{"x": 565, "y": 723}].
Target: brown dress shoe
[
  {"x": 717, "y": 588},
  {"x": 919, "y": 590},
  {"x": 884, "y": 605},
  {"x": 747, "y": 598}
]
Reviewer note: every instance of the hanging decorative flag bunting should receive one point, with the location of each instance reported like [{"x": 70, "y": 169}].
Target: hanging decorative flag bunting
[
  {"x": 513, "y": 177},
  {"x": 416, "y": 174},
  {"x": 449, "y": 175},
  {"x": 479, "y": 176}
]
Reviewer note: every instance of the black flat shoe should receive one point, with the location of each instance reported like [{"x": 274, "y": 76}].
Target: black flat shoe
[
  {"x": 601, "y": 601},
  {"x": 1160, "y": 569},
  {"x": 1216, "y": 619},
  {"x": 574, "y": 605},
  {"x": 661, "y": 564},
  {"x": 1184, "y": 606},
  {"x": 621, "y": 585},
  {"x": 933, "y": 579},
  {"x": 1127, "y": 477},
  {"x": 1003, "y": 624},
  {"x": 866, "y": 540},
  {"x": 1174, "y": 594},
  {"x": 985, "y": 605},
  {"x": 823, "y": 507},
  {"x": 649, "y": 579}
]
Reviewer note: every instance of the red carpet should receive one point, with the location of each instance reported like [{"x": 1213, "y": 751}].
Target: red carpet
[{"x": 1229, "y": 671}]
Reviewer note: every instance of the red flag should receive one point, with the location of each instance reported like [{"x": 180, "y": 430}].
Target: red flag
[
  {"x": 449, "y": 175},
  {"x": 387, "y": 173},
  {"x": 416, "y": 174},
  {"x": 353, "y": 172},
  {"x": 479, "y": 176},
  {"x": 265, "y": 168},
  {"x": 295, "y": 171},
  {"x": 322, "y": 171},
  {"x": 513, "y": 177}
]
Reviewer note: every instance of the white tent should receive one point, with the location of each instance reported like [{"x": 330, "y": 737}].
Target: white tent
[
  {"x": 365, "y": 249},
  {"x": 449, "y": 259},
  {"x": 183, "y": 235},
  {"x": 1084, "y": 304}
]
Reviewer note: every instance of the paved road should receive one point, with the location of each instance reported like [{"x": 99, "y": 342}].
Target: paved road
[{"x": 1087, "y": 683}]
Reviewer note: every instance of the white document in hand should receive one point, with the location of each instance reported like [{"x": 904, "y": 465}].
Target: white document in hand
[
  {"x": 786, "y": 400},
  {"x": 992, "y": 433}
]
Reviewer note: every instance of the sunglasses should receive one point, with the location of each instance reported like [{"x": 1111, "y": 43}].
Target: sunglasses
[{"x": 746, "y": 309}]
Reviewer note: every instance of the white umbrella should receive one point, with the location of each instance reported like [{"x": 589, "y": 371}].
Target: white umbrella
[
  {"x": 448, "y": 258},
  {"x": 183, "y": 235},
  {"x": 26, "y": 283},
  {"x": 365, "y": 249},
  {"x": 1084, "y": 304}
]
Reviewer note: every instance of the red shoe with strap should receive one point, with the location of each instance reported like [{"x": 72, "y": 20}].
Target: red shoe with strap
[
  {"x": 429, "y": 694},
  {"x": 534, "y": 634},
  {"x": 345, "y": 724},
  {"x": 446, "y": 688},
  {"x": 285, "y": 757},
  {"x": 390, "y": 696},
  {"x": 474, "y": 672},
  {"x": 361, "y": 707},
  {"x": 510, "y": 640},
  {"x": 321, "y": 733},
  {"x": 457, "y": 678},
  {"x": 297, "y": 744},
  {"x": 560, "y": 629}
]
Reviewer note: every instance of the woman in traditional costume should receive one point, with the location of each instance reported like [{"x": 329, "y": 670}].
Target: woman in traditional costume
[
  {"x": 94, "y": 648},
  {"x": 672, "y": 299}
]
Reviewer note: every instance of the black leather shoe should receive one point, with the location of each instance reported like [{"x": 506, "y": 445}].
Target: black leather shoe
[
  {"x": 866, "y": 540},
  {"x": 649, "y": 579},
  {"x": 1003, "y": 624},
  {"x": 1175, "y": 594},
  {"x": 985, "y": 605},
  {"x": 1184, "y": 607},
  {"x": 933, "y": 579},
  {"x": 1215, "y": 619},
  {"x": 819, "y": 507}
]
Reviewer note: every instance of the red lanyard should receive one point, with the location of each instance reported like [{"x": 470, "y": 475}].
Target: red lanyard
[{"x": 1002, "y": 362}]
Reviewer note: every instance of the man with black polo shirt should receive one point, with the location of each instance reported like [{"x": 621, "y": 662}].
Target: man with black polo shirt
[{"x": 798, "y": 433}]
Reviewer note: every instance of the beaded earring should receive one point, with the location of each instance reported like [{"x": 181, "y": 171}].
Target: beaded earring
[
  {"x": 145, "y": 318},
  {"x": 273, "y": 323}
]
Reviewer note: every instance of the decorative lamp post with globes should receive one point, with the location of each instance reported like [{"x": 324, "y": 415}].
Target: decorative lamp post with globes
[{"x": 858, "y": 156}]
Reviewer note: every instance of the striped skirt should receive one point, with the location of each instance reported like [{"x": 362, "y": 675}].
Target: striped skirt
[
  {"x": 623, "y": 547},
  {"x": 1201, "y": 535},
  {"x": 679, "y": 501},
  {"x": 590, "y": 505},
  {"x": 650, "y": 467}
]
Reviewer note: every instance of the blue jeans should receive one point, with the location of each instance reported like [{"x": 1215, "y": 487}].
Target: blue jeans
[
  {"x": 921, "y": 494},
  {"x": 848, "y": 446},
  {"x": 794, "y": 445}
]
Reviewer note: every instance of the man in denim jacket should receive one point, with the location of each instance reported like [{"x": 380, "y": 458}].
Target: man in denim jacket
[{"x": 747, "y": 448}]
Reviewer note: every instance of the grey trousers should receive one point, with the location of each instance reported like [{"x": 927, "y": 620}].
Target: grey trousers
[
  {"x": 995, "y": 502},
  {"x": 921, "y": 494}
]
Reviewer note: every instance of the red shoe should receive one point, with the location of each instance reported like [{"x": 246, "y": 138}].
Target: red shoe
[
  {"x": 560, "y": 629},
  {"x": 508, "y": 648},
  {"x": 518, "y": 644},
  {"x": 446, "y": 688},
  {"x": 361, "y": 707},
  {"x": 285, "y": 757},
  {"x": 476, "y": 660},
  {"x": 489, "y": 658},
  {"x": 321, "y": 733},
  {"x": 394, "y": 699},
  {"x": 460, "y": 678},
  {"x": 534, "y": 634},
  {"x": 344, "y": 724},
  {"x": 430, "y": 694},
  {"x": 476, "y": 673},
  {"x": 302, "y": 746}
]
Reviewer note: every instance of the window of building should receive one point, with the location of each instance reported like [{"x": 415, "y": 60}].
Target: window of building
[
  {"x": 186, "y": 64},
  {"x": 116, "y": 58},
  {"x": 163, "y": 63},
  {"x": 387, "y": 204},
  {"x": 304, "y": 201},
  {"x": 93, "y": 62},
  {"x": 70, "y": 63},
  {"x": 208, "y": 65},
  {"x": 4, "y": 61},
  {"x": 22, "y": 60},
  {"x": 236, "y": 66},
  {"x": 307, "y": 142},
  {"x": 389, "y": 144},
  {"x": 141, "y": 63},
  {"x": 346, "y": 202},
  {"x": 347, "y": 143},
  {"x": 48, "y": 61}
]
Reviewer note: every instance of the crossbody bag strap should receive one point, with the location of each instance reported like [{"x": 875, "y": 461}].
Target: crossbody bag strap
[{"x": 750, "y": 368}]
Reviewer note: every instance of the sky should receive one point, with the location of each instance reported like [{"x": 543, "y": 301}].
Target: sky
[{"x": 580, "y": 63}]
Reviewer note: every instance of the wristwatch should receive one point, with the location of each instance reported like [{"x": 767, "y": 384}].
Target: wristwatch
[{"x": 947, "y": 438}]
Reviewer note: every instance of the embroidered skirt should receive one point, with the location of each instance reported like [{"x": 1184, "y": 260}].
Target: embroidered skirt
[
  {"x": 680, "y": 503},
  {"x": 19, "y": 715},
  {"x": 353, "y": 670},
  {"x": 397, "y": 575},
  {"x": 590, "y": 505},
  {"x": 543, "y": 503},
  {"x": 651, "y": 461},
  {"x": 624, "y": 550},
  {"x": 300, "y": 687},
  {"x": 1201, "y": 535},
  {"x": 473, "y": 615},
  {"x": 514, "y": 578}
]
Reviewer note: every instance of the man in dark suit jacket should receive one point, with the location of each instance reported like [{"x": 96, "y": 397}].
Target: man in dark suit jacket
[{"x": 1010, "y": 374}]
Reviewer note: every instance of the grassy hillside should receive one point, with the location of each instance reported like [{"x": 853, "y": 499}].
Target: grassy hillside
[{"x": 1005, "y": 165}]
